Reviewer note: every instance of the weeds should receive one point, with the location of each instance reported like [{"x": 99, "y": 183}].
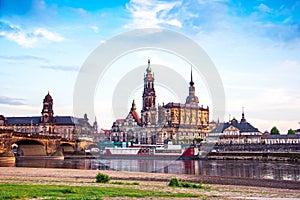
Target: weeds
[{"x": 174, "y": 182}]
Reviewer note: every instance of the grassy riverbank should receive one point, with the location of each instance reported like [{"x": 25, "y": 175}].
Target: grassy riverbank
[
  {"x": 41, "y": 183},
  {"x": 21, "y": 191}
]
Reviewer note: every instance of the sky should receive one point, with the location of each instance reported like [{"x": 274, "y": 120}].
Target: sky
[{"x": 254, "y": 45}]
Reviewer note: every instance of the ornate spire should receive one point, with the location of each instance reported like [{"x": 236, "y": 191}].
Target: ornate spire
[
  {"x": 192, "y": 82},
  {"x": 133, "y": 106},
  {"x": 95, "y": 125},
  {"x": 243, "y": 116},
  {"x": 192, "y": 98},
  {"x": 148, "y": 68}
]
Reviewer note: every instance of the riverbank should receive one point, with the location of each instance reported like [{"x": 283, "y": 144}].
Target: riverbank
[
  {"x": 264, "y": 156},
  {"x": 221, "y": 188}
]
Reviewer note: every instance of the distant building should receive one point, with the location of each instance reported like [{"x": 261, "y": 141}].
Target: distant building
[
  {"x": 178, "y": 122},
  {"x": 102, "y": 136},
  {"x": 281, "y": 139},
  {"x": 47, "y": 124},
  {"x": 235, "y": 132}
]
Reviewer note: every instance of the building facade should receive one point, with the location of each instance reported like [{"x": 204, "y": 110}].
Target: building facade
[
  {"x": 281, "y": 139},
  {"x": 235, "y": 132},
  {"x": 179, "y": 122},
  {"x": 47, "y": 124}
]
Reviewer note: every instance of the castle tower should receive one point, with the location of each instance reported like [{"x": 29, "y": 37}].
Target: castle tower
[
  {"x": 47, "y": 111},
  {"x": 149, "y": 110},
  {"x": 192, "y": 98}
]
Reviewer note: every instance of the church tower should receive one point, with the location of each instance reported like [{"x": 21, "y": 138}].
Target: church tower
[
  {"x": 47, "y": 111},
  {"x": 149, "y": 110},
  {"x": 192, "y": 99}
]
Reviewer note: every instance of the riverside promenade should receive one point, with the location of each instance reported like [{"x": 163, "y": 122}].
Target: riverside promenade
[{"x": 221, "y": 187}]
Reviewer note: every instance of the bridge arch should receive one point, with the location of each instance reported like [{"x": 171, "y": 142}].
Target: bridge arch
[
  {"x": 29, "y": 147},
  {"x": 67, "y": 147}
]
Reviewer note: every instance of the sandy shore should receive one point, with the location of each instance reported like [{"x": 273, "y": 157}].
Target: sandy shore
[{"x": 222, "y": 188}]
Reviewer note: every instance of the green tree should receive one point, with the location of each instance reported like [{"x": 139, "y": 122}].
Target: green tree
[
  {"x": 291, "y": 132},
  {"x": 275, "y": 131}
]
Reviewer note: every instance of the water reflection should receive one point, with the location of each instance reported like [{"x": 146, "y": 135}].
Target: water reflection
[{"x": 278, "y": 170}]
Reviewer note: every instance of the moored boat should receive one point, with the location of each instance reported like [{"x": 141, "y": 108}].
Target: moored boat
[{"x": 150, "y": 152}]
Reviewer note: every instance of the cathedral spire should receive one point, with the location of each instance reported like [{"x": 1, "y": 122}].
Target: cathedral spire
[
  {"x": 192, "y": 98},
  {"x": 192, "y": 82},
  {"x": 148, "y": 68}
]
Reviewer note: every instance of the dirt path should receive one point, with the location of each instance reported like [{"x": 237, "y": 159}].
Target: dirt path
[{"x": 155, "y": 181}]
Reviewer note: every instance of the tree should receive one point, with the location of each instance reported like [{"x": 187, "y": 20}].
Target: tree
[
  {"x": 275, "y": 131},
  {"x": 291, "y": 132}
]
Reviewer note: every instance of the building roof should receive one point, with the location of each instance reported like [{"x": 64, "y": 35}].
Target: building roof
[
  {"x": 136, "y": 116},
  {"x": 66, "y": 120},
  {"x": 242, "y": 126},
  {"x": 120, "y": 121},
  {"x": 182, "y": 105},
  {"x": 58, "y": 120},
  {"x": 22, "y": 120}
]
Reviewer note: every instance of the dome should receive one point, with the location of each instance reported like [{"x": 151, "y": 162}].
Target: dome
[
  {"x": 2, "y": 117},
  {"x": 48, "y": 98}
]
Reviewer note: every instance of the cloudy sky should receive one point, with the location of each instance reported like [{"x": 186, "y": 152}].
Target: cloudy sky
[{"x": 255, "y": 46}]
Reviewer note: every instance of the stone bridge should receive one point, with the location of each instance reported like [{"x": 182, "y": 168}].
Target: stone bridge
[{"x": 41, "y": 145}]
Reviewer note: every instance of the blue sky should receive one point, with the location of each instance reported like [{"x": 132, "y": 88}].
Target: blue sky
[{"x": 255, "y": 46}]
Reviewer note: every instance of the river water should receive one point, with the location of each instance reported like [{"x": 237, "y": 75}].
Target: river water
[{"x": 279, "y": 170}]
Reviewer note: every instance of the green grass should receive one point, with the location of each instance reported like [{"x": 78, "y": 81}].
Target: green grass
[
  {"x": 22, "y": 191},
  {"x": 174, "y": 182},
  {"x": 125, "y": 183}
]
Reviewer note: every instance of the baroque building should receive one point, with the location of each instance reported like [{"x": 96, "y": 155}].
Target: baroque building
[
  {"x": 47, "y": 124},
  {"x": 176, "y": 122},
  {"x": 236, "y": 132}
]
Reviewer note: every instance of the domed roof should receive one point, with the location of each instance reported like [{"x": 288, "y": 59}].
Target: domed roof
[
  {"x": 48, "y": 98},
  {"x": 2, "y": 117}
]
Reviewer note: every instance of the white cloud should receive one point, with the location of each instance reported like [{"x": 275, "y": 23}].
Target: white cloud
[
  {"x": 264, "y": 8},
  {"x": 29, "y": 38},
  {"x": 20, "y": 38},
  {"x": 95, "y": 28},
  {"x": 152, "y": 14},
  {"x": 44, "y": 33}
]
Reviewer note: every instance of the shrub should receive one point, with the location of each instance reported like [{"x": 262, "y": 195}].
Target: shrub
[
  {"x": 135, "y": 183},
  {"x": 174, "y": 182},
  {"x": 187, "y": 184},
  {"x": 102, "y": 178}
]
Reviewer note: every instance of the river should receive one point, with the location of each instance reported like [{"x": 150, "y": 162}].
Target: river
[{"x": 279, "y": 170}]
